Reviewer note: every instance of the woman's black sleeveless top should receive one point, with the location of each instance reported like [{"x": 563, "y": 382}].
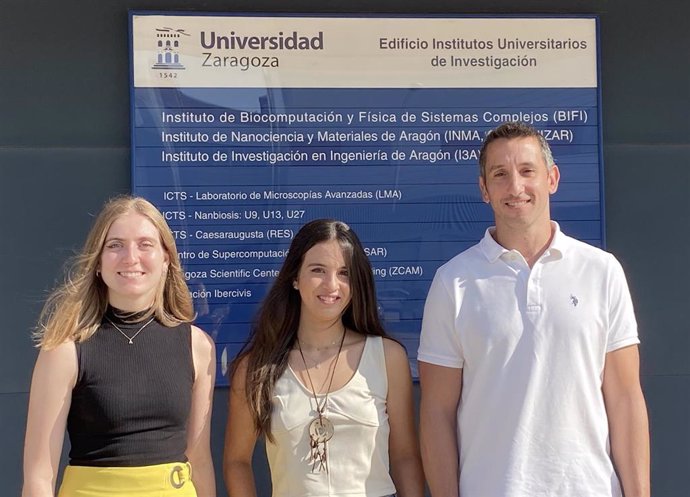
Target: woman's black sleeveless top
[{"x": 131, "y": 402}]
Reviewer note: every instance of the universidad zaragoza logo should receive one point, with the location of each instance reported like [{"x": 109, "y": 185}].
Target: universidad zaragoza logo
[{"x": 168, "y": 45}]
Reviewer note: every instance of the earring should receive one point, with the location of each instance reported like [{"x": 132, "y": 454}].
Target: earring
[
  {"x": 98, "y": 273},
  {"x": 294, "y": 285}
]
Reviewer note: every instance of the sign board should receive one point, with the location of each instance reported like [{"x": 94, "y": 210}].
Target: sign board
[{"x": 244, "y": 127}]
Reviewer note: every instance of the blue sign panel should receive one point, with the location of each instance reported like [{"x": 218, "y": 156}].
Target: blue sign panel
[{"x": 244, "y": 128}]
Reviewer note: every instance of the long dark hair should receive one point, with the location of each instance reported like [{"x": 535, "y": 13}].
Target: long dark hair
[{"x": 274, "y": 330}]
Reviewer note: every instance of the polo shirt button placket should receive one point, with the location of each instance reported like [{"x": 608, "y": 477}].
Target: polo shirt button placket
[{"x": 534, "y": 304}]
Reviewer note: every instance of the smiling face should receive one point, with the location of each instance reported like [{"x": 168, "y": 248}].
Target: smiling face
[
  {"x": 517, "y": 183},
  {"x": 323, "y": 283},
  {"x": 133, "y": 262}
]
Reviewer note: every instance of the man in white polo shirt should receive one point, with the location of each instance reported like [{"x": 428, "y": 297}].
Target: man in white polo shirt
[{"x": 528, "y": 357}]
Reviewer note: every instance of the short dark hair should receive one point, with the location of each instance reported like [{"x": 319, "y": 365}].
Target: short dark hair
[{"x": 514, "y": 130}]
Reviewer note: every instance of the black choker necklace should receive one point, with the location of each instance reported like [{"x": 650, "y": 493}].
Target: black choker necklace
[{"x": 115, "y": 315}]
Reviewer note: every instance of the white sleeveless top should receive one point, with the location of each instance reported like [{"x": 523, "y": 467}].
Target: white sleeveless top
[{"x": 358, "y": 452}]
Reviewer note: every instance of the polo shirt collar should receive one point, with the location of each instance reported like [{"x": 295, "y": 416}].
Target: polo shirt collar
[
  {"x": 490, "y": 247},
  {"x": 492, "y": 250},
  {"x": 559, "y": 242}
]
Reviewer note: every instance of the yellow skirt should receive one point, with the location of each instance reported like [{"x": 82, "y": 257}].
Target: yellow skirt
[{"x": 160, "y": 480}]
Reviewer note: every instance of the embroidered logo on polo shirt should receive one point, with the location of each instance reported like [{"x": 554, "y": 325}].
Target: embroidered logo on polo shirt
[{"x": 573, "y": 300}]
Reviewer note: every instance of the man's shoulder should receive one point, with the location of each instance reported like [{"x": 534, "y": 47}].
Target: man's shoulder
[
  {"x": 584, "y": 252},
  {"x": 590, "y": 261}
]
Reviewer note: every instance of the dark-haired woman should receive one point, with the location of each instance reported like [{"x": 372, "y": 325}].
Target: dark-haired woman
[{"x": 321, "y": 382}]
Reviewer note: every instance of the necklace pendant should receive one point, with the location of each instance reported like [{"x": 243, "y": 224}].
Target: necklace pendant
[
  {"x": 130, "y": 339},
  {"x": 321, "y": 430}
]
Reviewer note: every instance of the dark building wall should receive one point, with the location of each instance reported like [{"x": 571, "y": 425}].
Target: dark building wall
[{"x": 64, "y": 149}]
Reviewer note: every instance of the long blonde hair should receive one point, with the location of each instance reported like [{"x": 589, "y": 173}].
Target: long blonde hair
[{"x": 74, "y": 310}]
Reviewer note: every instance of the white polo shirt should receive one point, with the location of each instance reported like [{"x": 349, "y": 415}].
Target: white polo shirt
[{"x": 532, "y": 344}]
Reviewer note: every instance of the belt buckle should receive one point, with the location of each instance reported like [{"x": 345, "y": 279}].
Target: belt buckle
[{"x": 179, "y": 482}]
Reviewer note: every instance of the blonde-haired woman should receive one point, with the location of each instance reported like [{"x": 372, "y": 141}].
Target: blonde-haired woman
[{"x": 122, "y": 369}]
